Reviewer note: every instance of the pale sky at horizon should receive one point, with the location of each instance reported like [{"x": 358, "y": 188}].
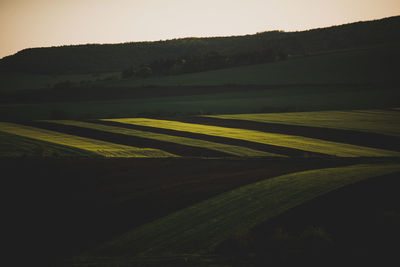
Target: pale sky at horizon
[{"x": 39, "y": 23}]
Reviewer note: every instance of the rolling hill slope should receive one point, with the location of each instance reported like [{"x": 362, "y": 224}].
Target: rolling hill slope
[
  {"x": 370, "y": 65},
  {"x": 116, "y": 57},
  {"x": 201, "y": 227}
]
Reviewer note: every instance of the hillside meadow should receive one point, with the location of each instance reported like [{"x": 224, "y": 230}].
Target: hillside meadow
[
  {"x": 350, "y": 79},
  {"x": 369, "y": 65},
  {"x": 271, "y": 100},
  {"x": 198, "y": 229},
  {"x": 377, "y": 121}
]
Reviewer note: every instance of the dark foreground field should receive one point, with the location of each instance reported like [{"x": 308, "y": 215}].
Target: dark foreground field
[
  {"x": 353, "y": 226},
  {"x": 57, "y": 209}
]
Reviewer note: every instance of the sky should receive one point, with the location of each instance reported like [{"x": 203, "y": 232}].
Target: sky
[{"x": 42, "y": 23}]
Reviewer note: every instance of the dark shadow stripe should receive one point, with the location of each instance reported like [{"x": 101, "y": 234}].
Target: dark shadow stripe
[
  {"x": 342, "y": 136},
  {"x": 71, "y": 203},
  {"x": 223, "y": 140},
  {"x": 177, "y": 149}
]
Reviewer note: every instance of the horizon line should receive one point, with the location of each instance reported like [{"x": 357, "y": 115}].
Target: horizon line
[{"x": 197, "y": 37}]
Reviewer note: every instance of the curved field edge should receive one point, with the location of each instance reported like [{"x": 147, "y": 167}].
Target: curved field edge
[
  {"x": 201, "y": 227},
  {"x": 375, "y": 121},
  {"x": 17, "y": 146},
  {"x": 225, "y": 148},
  {"x": 102, "y": 148},
  {"x": 275, "y": 139}
]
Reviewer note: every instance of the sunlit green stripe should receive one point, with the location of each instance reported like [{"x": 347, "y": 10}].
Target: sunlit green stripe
[
  {"x": 375, "y": 121},
  {"x": 282, "y": 140},
  {"x": 103, "y": 148},
  {"x": 229, "y": 149}
]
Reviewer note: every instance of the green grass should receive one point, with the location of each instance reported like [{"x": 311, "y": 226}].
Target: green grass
[
  {"x": 10, "y": 82},
  {"x": 203, "y": 226},
  {"x": 366, "y": 65},
  {"x": 102, "y": 148},
  {"x": 371, "y": 67},
  {"x": 299, "y": 98},
  {"x": 17, "y": 146},
  {"x": 282, "y": 140},
  {"x": 376, "y": 121},
  {"x": 228, "y": 149}
]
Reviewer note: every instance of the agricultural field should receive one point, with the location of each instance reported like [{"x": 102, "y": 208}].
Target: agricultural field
[
  {"x": 202, "y": 227},
  {"x": 17, "y": 146},
  {"x": 247, "y": 100},
  {"x": 102, "y": 148},
  {"x": 281, "y": 140},
  {"x": 228, "y": 149},
  {"x": 130, "y": 137},
  {"x": 376, "y": 121},
  {"x": 197, "y": 190},
  {"x": 110, "y": 196}
]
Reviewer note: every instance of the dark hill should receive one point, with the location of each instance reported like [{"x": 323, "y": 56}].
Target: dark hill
[{"x": 92, "y": 58}]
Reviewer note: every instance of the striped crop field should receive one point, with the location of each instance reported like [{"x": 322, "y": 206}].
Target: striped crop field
[
  {"x": 375, "y": 121},
  {"x": 225, "y": 148},
  {"x": 205, "y": 225},
  {"x": 102, "y": 148},
  {"x": 17, "y": 146},
  {"x": 275, "y": 139}
]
